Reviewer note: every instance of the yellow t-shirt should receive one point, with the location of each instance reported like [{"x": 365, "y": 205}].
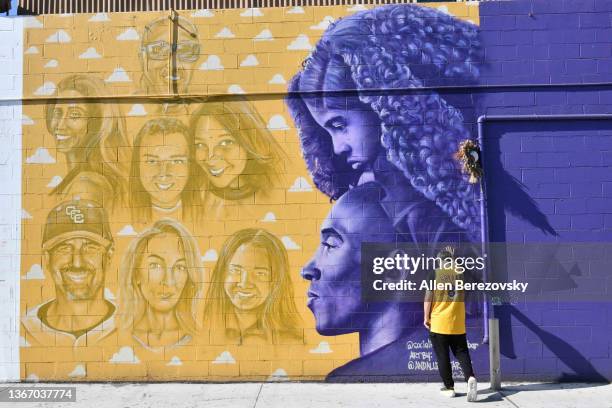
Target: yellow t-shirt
[{"x": 448, "y": 306}]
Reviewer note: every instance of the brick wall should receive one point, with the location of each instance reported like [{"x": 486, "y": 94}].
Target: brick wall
[
  {"x": 557, "y": 57},
  {"x": 110, "y": 292},
  {"x": 11, "y": 56}
]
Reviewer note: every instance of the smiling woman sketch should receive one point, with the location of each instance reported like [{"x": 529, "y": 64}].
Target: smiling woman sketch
[
  {"x": 92, "y": 137},
  {"x": 164, "y": 176},
  {"x": 235, "y": 150},
  {"x": 251, "y": 295}
]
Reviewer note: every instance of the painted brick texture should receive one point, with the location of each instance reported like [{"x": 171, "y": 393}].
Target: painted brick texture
[
  {"x": 561, "y": 165},
  {"x": 189, "y": 238}
]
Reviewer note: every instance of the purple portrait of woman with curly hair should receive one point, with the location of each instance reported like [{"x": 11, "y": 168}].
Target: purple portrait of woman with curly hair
[{"x": 362, "y": 116}]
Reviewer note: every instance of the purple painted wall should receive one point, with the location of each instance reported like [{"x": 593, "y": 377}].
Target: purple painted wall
[{"x": 556, "y": 56}]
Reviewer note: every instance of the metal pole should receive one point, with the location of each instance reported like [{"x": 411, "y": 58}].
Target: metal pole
[
  {"x": 484, "y": 231},
  {"x": 172, "y": 84},
  {"x": 494, "y": 359}
]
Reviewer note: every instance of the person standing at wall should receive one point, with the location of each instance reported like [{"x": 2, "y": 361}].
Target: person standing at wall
[{"x": 444, "y": 317}]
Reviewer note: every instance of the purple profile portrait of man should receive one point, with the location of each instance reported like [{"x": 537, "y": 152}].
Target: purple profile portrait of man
[{"x": 361, "y": 215}]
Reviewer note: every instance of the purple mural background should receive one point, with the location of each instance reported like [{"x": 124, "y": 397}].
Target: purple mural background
[
  {"x": 546, "y": 180},
  {"x": 385, "y": 153},
  {"x": 556, "y": 57}
]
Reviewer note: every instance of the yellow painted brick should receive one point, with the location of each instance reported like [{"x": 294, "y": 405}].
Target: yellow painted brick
[
  {"x": 44, "y": 371},
  {"x": 458, "y": 10},
  {"x": 301, "y": 197},
  {"x": 160, "y": 370},
  {"x": 213, "y": 46},
  {"x": 262, "y": 60},
  {"x": 30, "y": 84},
  {"x": 254, "y": 367},
  {"x": 65, "y": 354},
  {"x": 283, "y": 30},
  {"x": 58, "y": 21},
  {"x": 193, "y": 369},
  {"x": 39, "y": 36},
  {"x": 48, "y": 291},
  {"x": 299, "y": 220},
  {"x": 204, "y": 78},
  {"x": 248, "y": 30},
  {"x": 238, "y": 76},
  {"x": 287, "y": 59},
  {"x": 138, "y": 19},
  {"x": 116, "y": 371},
  {"x": 232, "y": 16},
  {"x": 31, "y": 354},
  {"x": 317, "y": 367},
  {"x": 224, "y": 370},
  {"x": 293, "y": 368},
  {"x": 238, "y": 45},
  {"x": 90, "y": 353},
  {"x": 186, "y": 353}
]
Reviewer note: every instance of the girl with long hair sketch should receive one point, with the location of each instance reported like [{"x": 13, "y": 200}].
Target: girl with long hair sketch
[
  {"x": 161, "y": 279},
  {"x": 250, "y": 297}
]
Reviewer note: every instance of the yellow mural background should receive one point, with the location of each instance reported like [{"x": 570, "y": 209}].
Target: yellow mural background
[{"x": 259, "y": 50}]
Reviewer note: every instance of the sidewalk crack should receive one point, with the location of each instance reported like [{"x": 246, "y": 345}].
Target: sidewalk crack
[
  {"x": 507, "y": 398},
  {"x": 259, "y": 393}
]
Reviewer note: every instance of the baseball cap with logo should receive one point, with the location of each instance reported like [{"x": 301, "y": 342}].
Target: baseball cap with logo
[{"x": 77, "y": 219}]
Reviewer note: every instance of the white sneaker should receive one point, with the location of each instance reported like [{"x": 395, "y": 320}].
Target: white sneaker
[
  {"x": 472, "y": 394},
  {"x": 447, "y": 392}
]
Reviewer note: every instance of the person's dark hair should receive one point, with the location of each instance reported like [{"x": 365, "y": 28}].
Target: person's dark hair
[
  {"x": 369, "y": 56},
  {"x": 265, "y": 156},
  {"x": 139, "y": 198}
]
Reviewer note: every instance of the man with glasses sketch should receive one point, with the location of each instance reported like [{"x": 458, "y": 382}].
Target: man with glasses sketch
[{"x": 167, "y": 69}]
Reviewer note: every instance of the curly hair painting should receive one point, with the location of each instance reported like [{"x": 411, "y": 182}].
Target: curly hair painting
[{"x": 354, "y": 66}]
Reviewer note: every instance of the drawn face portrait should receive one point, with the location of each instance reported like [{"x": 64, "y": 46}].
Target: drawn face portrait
[
  {"x": 334, "y": 272},
  {"x": 248, "y": 277},
  {"x": 355, "y": 134},
  {"x": 69, "y": 122},
  {"x": 218, "y": 153},
  {"x": 162, "y": 272},
  {"x": 157, "y": 57},
  {"x": 77, "y": 266},
  {"x": 164, "y": 167}
]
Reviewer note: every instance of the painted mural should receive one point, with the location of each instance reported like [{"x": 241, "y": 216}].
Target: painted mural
[{"x": 217, "y": 237}]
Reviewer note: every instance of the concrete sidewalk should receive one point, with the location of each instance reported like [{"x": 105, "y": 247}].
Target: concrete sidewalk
[{"x": 320, "y": 395}]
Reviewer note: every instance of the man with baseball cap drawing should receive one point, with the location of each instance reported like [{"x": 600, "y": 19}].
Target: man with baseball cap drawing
[{"x": 77, "y": 248}]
